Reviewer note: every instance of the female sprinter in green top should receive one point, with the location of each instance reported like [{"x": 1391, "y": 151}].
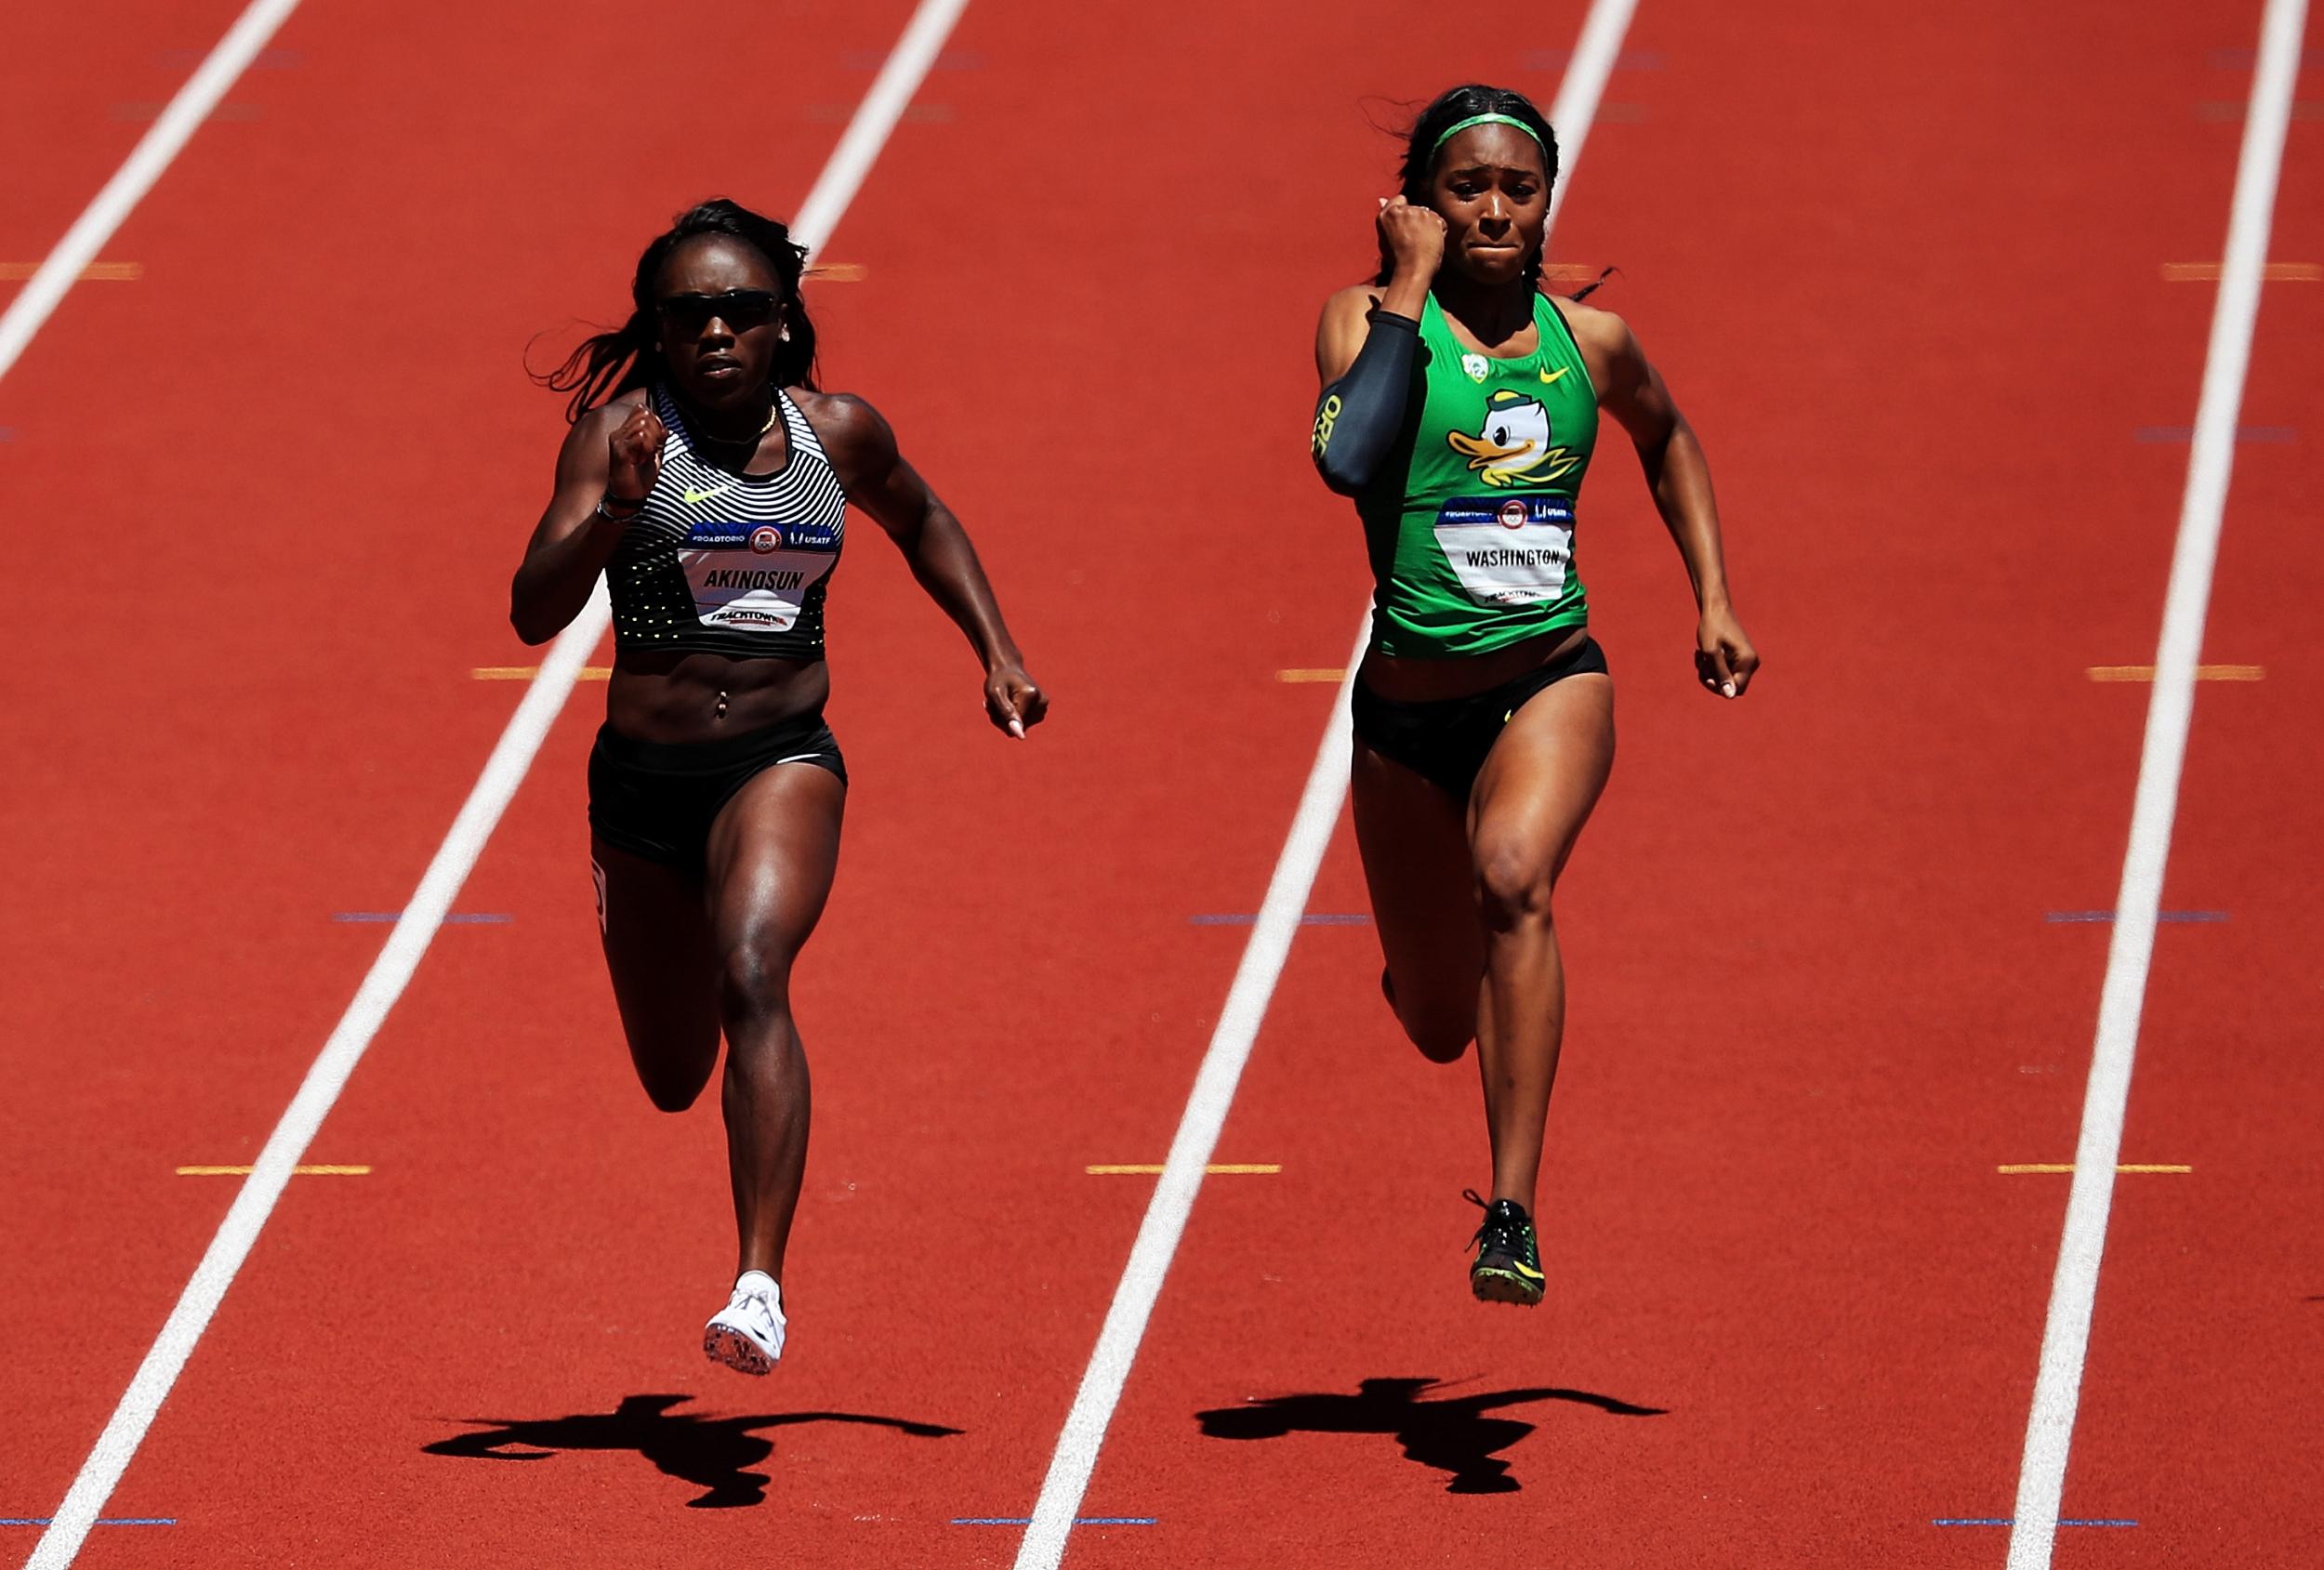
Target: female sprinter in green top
[{"x": 1460, "y": 410}]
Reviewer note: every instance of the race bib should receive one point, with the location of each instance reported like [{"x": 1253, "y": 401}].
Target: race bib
[
  {"x": 1509, "y": 550},
  {"x": 754, "y": 578}
]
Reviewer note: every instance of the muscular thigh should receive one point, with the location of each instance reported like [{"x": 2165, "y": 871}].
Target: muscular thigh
[
  {"x": 1540, "y": 781},
  {"x": 1415, "y": 849},
  {"x": 658, "y": 953},
  {"x": 773, "y": 852}
]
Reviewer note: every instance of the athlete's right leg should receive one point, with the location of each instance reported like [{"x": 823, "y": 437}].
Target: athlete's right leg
[
  {"x": 665, "y": 971},
  {"x": 1414, "y": 841},
  {"x": 1537, "y": 789},
  {"x": 773, "y": 852}
]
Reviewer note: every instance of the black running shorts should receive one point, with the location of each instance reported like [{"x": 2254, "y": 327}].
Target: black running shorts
[
  {"x": 657, "y": 800},
  {"x": 1445, "y": 742}
]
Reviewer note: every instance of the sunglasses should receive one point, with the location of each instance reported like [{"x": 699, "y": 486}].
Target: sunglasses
[{"x": 741, "y": 310}]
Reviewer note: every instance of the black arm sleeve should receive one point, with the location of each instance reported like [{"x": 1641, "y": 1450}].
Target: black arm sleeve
[{"x": 1359, "y": 417}]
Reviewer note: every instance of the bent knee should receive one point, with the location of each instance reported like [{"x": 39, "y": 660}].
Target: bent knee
[
  {"x": 1514, "y": 883},
  {"x": 1439, "y": 1042},
  {"x": 1441, "y": 1035},
  {"x": 673, "y": 1095},
  {"x": 755, "y": 982},
  {"x": 673, "y": 1071}
]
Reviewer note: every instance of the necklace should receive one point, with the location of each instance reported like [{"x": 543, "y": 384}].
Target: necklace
[{"x": 737, "y": 441}]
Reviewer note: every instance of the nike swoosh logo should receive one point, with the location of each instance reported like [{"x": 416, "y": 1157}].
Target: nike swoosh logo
[
  {"x": 692, "y": 495},
  {"x": 1553, "y": 375}
]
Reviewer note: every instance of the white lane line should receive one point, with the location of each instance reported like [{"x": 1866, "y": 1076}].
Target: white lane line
[
  {"x": 146, "y": 163},
  {"x": 884, "y": 103},
  {"x": 1075, "y": 1457},
  {"x": 1197, "y": 1139},
  {"x": 1575, "y": 109},
  {"x": 425, "y": 911},
  {"x": 2065, "y": 1336}
]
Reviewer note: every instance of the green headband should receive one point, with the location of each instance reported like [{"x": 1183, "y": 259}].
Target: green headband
[{"x": 1460, "y": 125}]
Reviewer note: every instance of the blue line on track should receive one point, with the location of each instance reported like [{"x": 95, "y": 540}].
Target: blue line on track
[
  {"x": 458, "y": 918},
  {"x": 1322, "y": 918},
  {"x": 2006, "y": 1521},
  {"x": 2062, "y": 916}
]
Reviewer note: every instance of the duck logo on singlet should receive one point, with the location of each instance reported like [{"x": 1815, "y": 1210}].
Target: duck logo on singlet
[
  {"x": 755, "y": 576},
  {"x": 1513, "y": 448}
]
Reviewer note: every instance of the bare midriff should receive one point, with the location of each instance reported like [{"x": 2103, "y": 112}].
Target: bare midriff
[
  {"x": 1411, "y": 680},
  {"x": 667, "y": 695}
]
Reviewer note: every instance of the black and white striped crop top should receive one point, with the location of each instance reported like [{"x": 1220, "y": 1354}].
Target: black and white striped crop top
[{"x": 724, "y": 563}]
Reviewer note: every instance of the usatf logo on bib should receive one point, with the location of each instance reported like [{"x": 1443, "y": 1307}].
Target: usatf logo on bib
[
  {"x": 766, "y": 594},
  {"x": 1508, "y": 552}
]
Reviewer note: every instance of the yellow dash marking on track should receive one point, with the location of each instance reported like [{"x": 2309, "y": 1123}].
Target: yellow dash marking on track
[
  {"x": 526, "y": 672},
  {"x": 95, "y": 272},
  {"x": 2202, "y": 673},
  {"x": 1153, "y": 1168},
  {"x": 2068, "y": 1166},
  {"x": 837, "y": 272},
  {"x": 302, "y": 1171},
  {"x": 1311, "y": 675},
  {"x": 2273, "y": 273}
]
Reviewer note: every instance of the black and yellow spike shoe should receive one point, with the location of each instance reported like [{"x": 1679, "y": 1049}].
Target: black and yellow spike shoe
[{"x": 1508, "y": 1267}]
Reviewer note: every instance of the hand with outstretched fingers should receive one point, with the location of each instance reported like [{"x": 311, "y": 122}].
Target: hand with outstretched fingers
[
  {"x": 633, "y": 456},
  {"x": 1724, "y": 660},
  {"x": 1011, "y": 701}
]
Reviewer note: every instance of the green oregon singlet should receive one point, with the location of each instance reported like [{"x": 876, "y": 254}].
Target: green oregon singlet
[{"x": 1470, "y": 528}]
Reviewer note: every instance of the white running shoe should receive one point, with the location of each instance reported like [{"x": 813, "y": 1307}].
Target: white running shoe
[{"x": 747, "y": 1333}]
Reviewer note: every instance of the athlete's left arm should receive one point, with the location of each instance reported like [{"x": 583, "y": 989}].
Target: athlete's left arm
[
  {"x": 877, "y": 479},
  {"x": 1632, "y": 391}
]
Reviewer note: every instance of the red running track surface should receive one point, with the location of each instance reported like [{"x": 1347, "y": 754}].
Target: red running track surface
[{"x": 1905, "y": 276}]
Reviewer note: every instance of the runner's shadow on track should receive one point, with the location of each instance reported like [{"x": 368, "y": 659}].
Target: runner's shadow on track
[
  {"x": 714, "y": 1453},
  {"x": 1452, "y": 1434}
]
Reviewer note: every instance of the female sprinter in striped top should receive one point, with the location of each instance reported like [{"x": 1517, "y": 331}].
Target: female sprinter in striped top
[{"x": 708, "y": 479}]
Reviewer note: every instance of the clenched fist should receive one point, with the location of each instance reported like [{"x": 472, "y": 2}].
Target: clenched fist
[
  {"x": 633, "y": 456},
  {"x": 1413, "y": 237}
]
